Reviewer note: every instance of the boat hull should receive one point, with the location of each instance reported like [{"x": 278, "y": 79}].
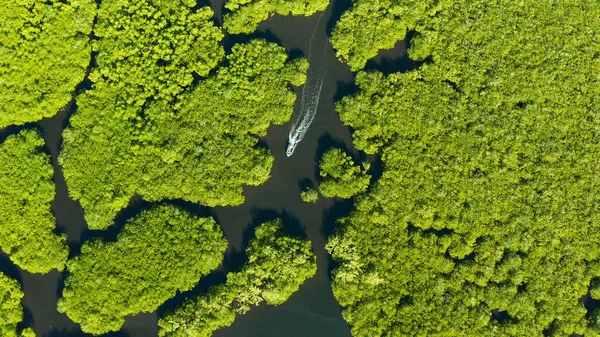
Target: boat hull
[{"x": 290, "y": 148}]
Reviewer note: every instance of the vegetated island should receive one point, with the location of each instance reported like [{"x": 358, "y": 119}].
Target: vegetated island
[
  {"x": 486, "y": 220},
  {"x": 309, "y": 195},
  {"x": 27, "y": 224},
  {"x": 277, "y": 265}
]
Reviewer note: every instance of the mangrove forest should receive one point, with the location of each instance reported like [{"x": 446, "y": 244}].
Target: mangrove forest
[{"x": 153, "y": 183}]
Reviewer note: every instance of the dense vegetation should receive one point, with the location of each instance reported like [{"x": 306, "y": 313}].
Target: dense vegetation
[
  {"x": 26, "y": 221},
  {"x": 488, "y": 206},
  {"x": 11, "y": 312},
  {"x": 160, "y": 252},
  {"x": 372, "y": 25},
  {"x": 277, "y": 265},
  {"x": 151, "y": 50},
  {"x": 490, "y": 198},
  {"x": 143, "y": 130},
  {"x": 341, "y": 177},
  {"x": 44, "y": 52},
  {"x": 244, "y": 16}
]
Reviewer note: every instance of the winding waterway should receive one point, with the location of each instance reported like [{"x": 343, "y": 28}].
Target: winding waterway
[{"x": 312, "y": 311}]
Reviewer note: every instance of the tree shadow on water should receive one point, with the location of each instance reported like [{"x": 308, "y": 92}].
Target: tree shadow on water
[
  {"x": 27, "y": 321},
  {"x": 395, "y": 60},
  {"x": 376, "y": 169},
  {"x": 326, "y": 142},
  {"x": 232, "y": 40},
  {"x": 306, "y": 183},
  {"x": 16, "y": 129},
  {"x": 262, "y": 144},
  {"x": 291, "y": 224},
  {"x": 201, "y": 4},
  {"x": 344, "y": 89},
  {"x": 339, "y": 7},
  {"x": 8, "y": 268},
  {"x": 295, "y": 53},
  {"x": 590, "y": 304}
]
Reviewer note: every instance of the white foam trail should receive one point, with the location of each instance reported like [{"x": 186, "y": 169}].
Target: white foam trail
[{"x": 311, "y": 93}]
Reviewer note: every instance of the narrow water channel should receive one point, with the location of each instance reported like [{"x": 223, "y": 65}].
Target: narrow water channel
[{"x": 312, "y": 311}]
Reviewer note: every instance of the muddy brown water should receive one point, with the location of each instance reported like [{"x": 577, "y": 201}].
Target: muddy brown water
[{"x": 312, "y": 311}]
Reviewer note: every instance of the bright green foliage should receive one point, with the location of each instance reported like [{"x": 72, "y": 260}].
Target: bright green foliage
[
  {"x": 151, "y": 49},
  {"x": 44, "y": 52},
  {"x": 277, "y": 266},
  {"x": 26, "y": 221},
  {"x": 160, "y": 252},
  {"x": 341, "y": 178},
  {"x": 245, "y": 15},
  {"x": 11, "y": 312},
  {"x": 490, "y": 197},
  {"x": 372, "y": 25},
  {"x": 310, "y": 195},
  {"x": 161, "y": 142}
]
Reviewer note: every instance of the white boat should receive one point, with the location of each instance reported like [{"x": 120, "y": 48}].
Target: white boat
[{"x": 290, "y": 148}]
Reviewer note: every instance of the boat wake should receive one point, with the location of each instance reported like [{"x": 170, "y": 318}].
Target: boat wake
[{"x": 309, "y": 103}]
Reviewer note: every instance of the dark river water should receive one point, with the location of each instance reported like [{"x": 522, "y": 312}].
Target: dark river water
[{"x": 312, "y": 311}]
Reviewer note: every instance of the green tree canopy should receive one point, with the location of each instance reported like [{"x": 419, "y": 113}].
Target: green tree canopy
[
  {"x": 161, "y": 140},
  {"x": 160, "y": 252},
  {"x": 151, "y": 49},
  {"x": 490, "y": 198},
  {"x": 310, "y": 195},
  {"x": 372, "y": 25},
  {"x": 27, "y": 224},
  {"x": 245, "y": 15},
  {"x": 11, "y": 311},
  {"x": 341, "y": 177},
  {"x": 277, "y": 266},
  {"x": 44, "y": 52}
]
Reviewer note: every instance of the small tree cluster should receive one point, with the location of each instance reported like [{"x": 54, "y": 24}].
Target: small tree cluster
[{"x": 310, "y": 195}]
